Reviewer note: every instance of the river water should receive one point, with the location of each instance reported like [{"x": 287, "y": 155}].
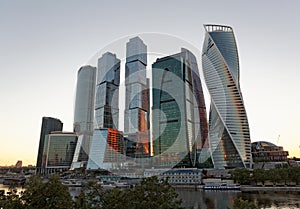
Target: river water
[{"x": 222, "y": 199}]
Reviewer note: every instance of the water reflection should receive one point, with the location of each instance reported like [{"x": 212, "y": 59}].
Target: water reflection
[{"x": 224, "y": 199}]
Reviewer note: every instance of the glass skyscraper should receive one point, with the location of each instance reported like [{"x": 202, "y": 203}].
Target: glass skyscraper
[
  {"x": 179, "y": 122},
  {"x": 136, "y": 122},
  {"x": 48, "y": 125},
  {"x": 84, "y": 114},
  {"x": 84, "y": 103},
  {"x": 229, "y": 135},
  {"x": 107, "y": 93}
]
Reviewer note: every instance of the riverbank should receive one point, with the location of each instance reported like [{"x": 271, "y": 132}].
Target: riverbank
[{"x": 261, "y": 189}]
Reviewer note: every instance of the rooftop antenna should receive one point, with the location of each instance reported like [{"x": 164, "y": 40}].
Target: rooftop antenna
[{"x": 278, "y": 139}]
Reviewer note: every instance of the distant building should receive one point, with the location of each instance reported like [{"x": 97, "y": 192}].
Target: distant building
[
  {"x": 136, "y": 117},
  {"x": 58, "y": 152},
  {"x": 179, "y": 122},
  {"x": 19, "y": 164},
  {"x": 48, "y": 125},
  {"x": 263, "y": 152},
  {"x": 107, "y": 150},
  {"x": 229, "y": 135}
]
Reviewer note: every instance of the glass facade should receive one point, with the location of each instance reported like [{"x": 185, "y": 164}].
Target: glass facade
[
  {"x": 107, "y": 94},
  {"x": 107, "y": 150},
  {"x": 84, "y": 103},
  {"x": 229, "y": 135},
  {"x": 48, "y": 125},
  {"x": 136, "y": 117},
  {"x": 58, "y": 152},
  {"x": 177, "y": 104}
]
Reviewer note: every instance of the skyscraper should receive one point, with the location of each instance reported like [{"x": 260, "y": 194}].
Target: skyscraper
[
  {"x": 48, "y": 125},
  {"x": 229, "y": 134},
  {"x": 84, "y": 114},
  {"x": 84, "y": 103},
  {"x": 137, "y": 99},
  {"x": 107, "y": 93},
  {"x": 107, "y": 146},
  {"x": 179, "y": 122}
]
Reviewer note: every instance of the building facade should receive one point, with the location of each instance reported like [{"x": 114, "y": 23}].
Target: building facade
[
  {"x": 229, "y": 135},
  {"x": 107, "y": 92},
  {"x": 263, "y": 152},
  {"x": 84, "y": 102},
  {"x": 84, "y": 114},
  {"x": 58, "y": 152},
  {"x": 107, "y": 150},
  {"x": 48, "y": 124},
  {"x": 136, "y": 116},
  {"x": 179, "y": 123}
]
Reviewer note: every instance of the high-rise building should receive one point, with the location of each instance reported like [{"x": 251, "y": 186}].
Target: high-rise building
[
  {"x": 136, "y": 115},
  {"x": 107, "y": 93},
  {"x": 58, "y": 151},
  {"x": 229, "y": 135},
  {"x": 84, "y": 114},
  {"x": 48, "y": 124},
  {"x": 179, "y": 122},
  {"x": 84, "y": 103},
  {"x": 107, "y": 150}
]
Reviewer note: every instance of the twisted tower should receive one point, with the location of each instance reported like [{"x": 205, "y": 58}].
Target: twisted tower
[{"x": 229, "y": 135}]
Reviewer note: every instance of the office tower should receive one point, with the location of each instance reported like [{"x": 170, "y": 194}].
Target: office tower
[
  {"x": 229, "y": 135},
  {"x": 137, "y": 99},
  {"x": 179, "y": 122},
  {"x": 107, "y": 150},
  {"x": 107, "y": 93},
  {"x": 48, "y": 124},
  {"x": 58, "y": 151},
  {"x": 84, "y": 114},
  {"x": 107, "y": 147},
  {"x": 84, "y": 103}
]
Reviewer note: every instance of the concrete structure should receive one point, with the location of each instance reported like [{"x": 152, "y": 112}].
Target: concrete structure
[{"x": 229, "y": 135}]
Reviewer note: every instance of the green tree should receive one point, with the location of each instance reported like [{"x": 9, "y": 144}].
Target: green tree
[
  {"x": 149, "y": 193},
  {"x": 10, "y": 201},
  {"x": 241, "y": 175},
  {"x": 274, "y": 175},
  {"x": 244, "y": 204},
  {"x": 260, "y": 175},
  {"x": 49, "y": 195}
]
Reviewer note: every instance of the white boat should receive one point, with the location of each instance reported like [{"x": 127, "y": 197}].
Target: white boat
[{"x": 221, "y": 186}]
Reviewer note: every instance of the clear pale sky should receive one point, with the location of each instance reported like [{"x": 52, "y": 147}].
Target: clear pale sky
[{"x": 44, "y": 43}]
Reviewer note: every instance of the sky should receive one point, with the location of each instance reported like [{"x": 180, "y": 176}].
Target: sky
[{"x": 44, "y": 43}]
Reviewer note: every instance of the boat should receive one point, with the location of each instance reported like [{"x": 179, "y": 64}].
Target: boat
[
  {"x": 221, "y": 186},
  {"x": 72, "y": 183}
]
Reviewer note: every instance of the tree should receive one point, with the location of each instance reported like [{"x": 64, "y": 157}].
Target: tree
[
  {"x": 259, "y": 175},
  {"x": 241, "y": 175},
  {"x": 49, "y": 195},
  {"x": 150, "y": 193},
  {"x": 243, "y": 204},
  {"x": 10, "y": 201}
]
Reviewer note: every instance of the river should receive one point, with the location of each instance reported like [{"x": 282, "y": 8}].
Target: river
[{"x": 222, "y": 199}]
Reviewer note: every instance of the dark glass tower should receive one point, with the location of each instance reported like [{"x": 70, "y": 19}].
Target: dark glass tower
[
  {"x": 48, "y": 125},
  {"x": 137, "y": 99},
  {"x": 179, "y": 120},
  {"x": 229, "y": 134}
]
